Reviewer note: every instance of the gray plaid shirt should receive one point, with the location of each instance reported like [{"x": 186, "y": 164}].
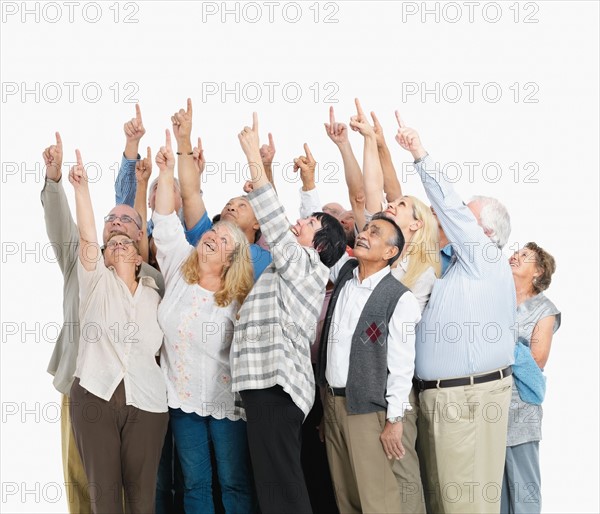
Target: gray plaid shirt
[{"x": 277, "y": 323}]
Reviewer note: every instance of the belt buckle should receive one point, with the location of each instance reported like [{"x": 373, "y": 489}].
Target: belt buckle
[
  {"x": 330, "y": 389},
  {"x": 420, "y": 384}
]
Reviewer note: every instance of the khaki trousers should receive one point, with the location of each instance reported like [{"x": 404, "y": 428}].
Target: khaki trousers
[
  {"x": 462, "y": 441},
  {"x": 407, "y": 469},
  {"x": 362, "y": 475},
  {"x": 76, "y": 484}
]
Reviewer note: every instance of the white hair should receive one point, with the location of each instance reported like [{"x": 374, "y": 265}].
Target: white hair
[{"x": 494, "y": 219}]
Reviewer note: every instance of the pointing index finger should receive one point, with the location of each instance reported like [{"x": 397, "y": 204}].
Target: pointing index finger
[
  {"x": 331, "y": 117},
  {"x": 189, "y": 106},
  {"x": 168, "y": 139},
  {"x": 271, "y": 143},
  {"x": 308, "y": 153},
  {"x": 375, "y": 120},
  {"x": 358, "y": 107},
  {"x": 149, "y": 154},
  {"x": 58, "y": 139},
  {"x": 138, "y": 113},
  {"x": 399, "y": 119},
  {"x": 78, "y": 157},
  {"x": 254, "y": 122}
]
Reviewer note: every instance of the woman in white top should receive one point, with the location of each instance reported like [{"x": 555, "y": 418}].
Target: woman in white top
[
  {"x": 118, "y": 400},
  {"x": 204, "y": 288}
]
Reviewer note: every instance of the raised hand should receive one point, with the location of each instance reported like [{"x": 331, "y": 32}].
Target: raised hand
[
  {"x": 337, "y": 132},
  {"x": 134, "y": 128},
  {"x": 267, "y": 152},
  {"x": 198, "y": 157},
  {"x": 378, "y": 131},
  {"x": 53, "y": 156},
  {"x": 248, "y": 186},
  {"x": 77, "y": 175},
  {"x": 249, "y": 138},
  {"x": 409, "y": 139},
  {"x": 165, "y": 160},
  {"x": 182, "y": 123},
  {"x": 359, "y": 123},
  {"x": 143, "y": 168},
  {"x": 306, "y": 164}
]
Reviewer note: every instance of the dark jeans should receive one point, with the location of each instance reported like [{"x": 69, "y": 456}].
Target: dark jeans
[{"x": 169, "y": 481}]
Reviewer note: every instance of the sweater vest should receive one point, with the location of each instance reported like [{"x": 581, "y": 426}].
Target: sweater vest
[{"x": 367, "y": 374}]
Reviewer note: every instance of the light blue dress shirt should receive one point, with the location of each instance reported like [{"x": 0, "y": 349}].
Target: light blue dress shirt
[{"x": 468, "y": 325}]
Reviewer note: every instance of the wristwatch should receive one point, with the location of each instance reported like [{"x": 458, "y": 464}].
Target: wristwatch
[{"x": 395, "y": 420}]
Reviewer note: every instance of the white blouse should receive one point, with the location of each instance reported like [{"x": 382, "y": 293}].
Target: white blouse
[
  {"x": 422, "y": 286},
  {"x": 198, "y": 333},
  {"x": 120, "y": 338}
]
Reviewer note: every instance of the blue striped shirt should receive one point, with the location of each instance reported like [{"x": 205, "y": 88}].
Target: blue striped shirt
[{"x": 468, "y": 325}]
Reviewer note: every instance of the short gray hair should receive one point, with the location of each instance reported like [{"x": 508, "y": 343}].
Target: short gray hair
[{"x": 494, "y": 219}]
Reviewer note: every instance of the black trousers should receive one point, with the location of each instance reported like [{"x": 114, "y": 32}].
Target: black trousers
[{"x": 275, "y": 440}]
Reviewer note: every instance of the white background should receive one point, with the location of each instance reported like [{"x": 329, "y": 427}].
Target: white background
[{"x": 173, "y": 52}]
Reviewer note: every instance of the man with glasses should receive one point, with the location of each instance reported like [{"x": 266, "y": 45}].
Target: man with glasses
[{"x": 63, "y": 234}]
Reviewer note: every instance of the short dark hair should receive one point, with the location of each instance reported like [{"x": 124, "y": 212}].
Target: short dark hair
[
  {"x": 397, "y": 240},
  {"x": 330, "y": 240}
]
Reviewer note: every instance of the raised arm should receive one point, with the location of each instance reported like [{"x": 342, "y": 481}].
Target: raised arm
[
  {"x": 250, "y": 145},
  {"x": 143, "y": 170},
  {"x": 89, "y": 250},
  {"x": 125, "y": 184},
  {"x": 60, "y": 226},
  {"x": 391, "y": 184},
  {"x": 165, "y": 160},
  {"x": 460, "y": 225},
  {"x": 373, "y": 175},
  {"x": 190, "y": 165},
  {"x": 267, "y": 153},
  {"x": 338, "y": 133}
]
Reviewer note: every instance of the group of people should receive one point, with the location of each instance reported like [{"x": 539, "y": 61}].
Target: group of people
[{"x": 215, "y": 356}]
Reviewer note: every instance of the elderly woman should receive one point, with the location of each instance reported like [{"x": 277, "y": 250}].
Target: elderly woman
[
  {"x": 205, "y": 287},
  {"x": 118, "y": 400},
  {"x": 537, "y": 320}
]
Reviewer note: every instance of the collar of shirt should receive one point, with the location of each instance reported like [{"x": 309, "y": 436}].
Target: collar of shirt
[
  {"x": 447, "y": 250},
  {"x": 145, "y": 280},
  {"x": 372, "y": 280}
]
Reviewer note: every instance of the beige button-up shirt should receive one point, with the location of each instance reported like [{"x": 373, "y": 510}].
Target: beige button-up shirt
[{"x": 119, "y": 338}]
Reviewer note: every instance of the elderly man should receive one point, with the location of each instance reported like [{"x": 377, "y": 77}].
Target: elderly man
[
  {"x": 64, "y": 235},
  {"x": 270, "y": 353},
  {"x": 464, "y": 349},
  {"x": 366, "y": 365}
]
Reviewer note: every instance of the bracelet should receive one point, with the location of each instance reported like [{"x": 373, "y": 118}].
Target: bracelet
[{"x": 189, "y": 153}]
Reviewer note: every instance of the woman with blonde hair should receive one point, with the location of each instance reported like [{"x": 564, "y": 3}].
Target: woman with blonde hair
[
  {"x": 419, "y": 264},
  {"x": 204, "y": 288}
]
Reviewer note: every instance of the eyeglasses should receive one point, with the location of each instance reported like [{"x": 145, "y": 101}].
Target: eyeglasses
[
  {"x": 125, "y": 243},
  {"x": 124, "y": 219}
]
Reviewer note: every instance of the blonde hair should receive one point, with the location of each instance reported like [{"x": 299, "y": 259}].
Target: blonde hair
[
  {"x": 237, "y": 275},
  {"x": 424, "y": 247}
]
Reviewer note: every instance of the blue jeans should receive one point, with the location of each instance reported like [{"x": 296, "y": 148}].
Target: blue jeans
[{"x": 193, "y": 434}]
